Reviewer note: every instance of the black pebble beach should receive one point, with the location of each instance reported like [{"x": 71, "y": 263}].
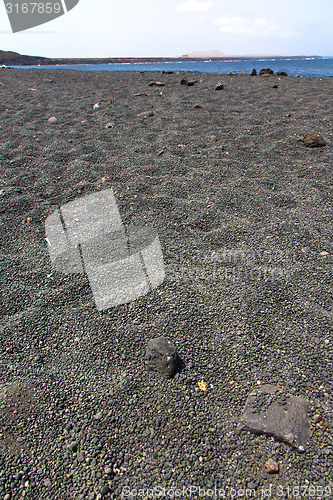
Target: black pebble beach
[{"x": 244, "y": 212}]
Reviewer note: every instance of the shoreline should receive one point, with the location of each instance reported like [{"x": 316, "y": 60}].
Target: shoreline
[{"x": 15, "y": 59}]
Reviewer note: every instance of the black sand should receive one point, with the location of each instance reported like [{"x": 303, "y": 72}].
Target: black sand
[{"x": 244, "y": 215}]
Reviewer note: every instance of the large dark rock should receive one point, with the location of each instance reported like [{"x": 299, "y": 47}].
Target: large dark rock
[
  {"x": 270, "y": 411},
  {"x": 266, "y": 71},
  {"x": 280, "y": 73},
  {"x": 253, "y": 72},
  {"x": 162, "y": 356}
]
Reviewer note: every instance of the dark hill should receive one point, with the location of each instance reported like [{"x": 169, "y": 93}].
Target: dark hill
[{"x": 15, "y": 59}]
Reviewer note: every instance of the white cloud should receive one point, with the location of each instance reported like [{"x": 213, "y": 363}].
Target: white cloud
[
  {"x": 239, "y": 25},
  {"x": 195, "y": 5}
]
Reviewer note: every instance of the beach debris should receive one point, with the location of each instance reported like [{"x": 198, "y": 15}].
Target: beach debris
[
  {"x": 96, "y": 106},
  {"x": 268, "y": 410},
  {"x": 145, "y": 114},
  {"x": 162, "y": 356},
  {"x": 219, "y": 86},
  {"x": 52, "y": 119},
  {"x": 272, "y": 466},
  {"x": 203, "y": 386},
  {"x": 154, "y": 82},
  {"x": 266, "y": 72},
  {"x": 138, "y": 94},
  {"x": 253, "y": 72},
  {"x": 313, "y": 139},
  {"x": 109, "y": 125}
]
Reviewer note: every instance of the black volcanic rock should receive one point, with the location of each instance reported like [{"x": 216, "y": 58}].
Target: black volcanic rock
[
  {"x": 266, "y": 72},
  {"x": 162, "y": 356}
]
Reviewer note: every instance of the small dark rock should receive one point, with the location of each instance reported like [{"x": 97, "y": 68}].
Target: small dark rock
[
  {"x": 162, "y": 356},
  {"x": 145, "y": 114},
  {"x": 219, "y": 86},
  {"x": 253, "y": 72},
  {"x": 190, "y": 83},
  {"x": 280, "y": 73},
  {"x": 167, "y": 72},
  {"x": 72, "y": 446},
  {"x": 183, "y": 81},
  {"x": 275, "y": 87},
  {"x": 105, "y": 490},
  {"x": 313, "y": 139},
  {"x": 266, "y": 71},
  {"x": 154, "y": 82}
]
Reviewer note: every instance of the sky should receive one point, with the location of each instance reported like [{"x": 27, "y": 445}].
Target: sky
[{"x": 171, "y": 28}]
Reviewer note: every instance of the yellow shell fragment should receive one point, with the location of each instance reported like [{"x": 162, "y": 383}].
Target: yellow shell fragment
[{"x": 203, "y": 386}]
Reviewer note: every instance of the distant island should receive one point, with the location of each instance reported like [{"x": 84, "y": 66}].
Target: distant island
[
  {"x": 206, "y": 54},
  {"x": 16, "y": 59}
]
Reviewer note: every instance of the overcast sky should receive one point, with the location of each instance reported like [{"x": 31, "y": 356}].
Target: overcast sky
[{"x": 162, "y": 28}]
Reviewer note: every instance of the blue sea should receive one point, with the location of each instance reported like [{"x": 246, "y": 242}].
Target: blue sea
[{"x": 305, "y": 66}]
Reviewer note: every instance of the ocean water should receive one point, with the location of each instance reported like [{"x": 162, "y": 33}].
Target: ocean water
[{"x": 307, "y": 66}]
